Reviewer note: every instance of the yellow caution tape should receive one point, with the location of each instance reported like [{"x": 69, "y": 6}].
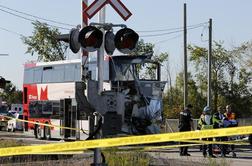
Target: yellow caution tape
[
  {"x": 127, "y": 149},
  {"x": 216, "y": 142},
  {"x": 122, "y": 141},
  {"x": 45, "y": 124}
]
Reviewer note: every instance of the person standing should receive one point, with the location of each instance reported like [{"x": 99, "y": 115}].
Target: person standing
[
  {"x": 206, "y": 122},
  {"x": 229, "y": 121},
  {"x": 218, "y": 118},
  {"x": 185, "y": 124}
]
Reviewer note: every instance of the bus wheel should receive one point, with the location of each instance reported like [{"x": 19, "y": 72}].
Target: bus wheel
[
  {"x": 250, "y": 139},
  {"x": 12, "y": 129},
  {"x": 38, "y": 132},
  {"x": 47, "y": 133}
]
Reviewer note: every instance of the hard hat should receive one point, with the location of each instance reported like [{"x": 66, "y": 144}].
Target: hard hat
[{"x": 206, "y": 109}]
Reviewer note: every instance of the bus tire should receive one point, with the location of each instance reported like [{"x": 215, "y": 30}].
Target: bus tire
[
  {"x": 13, "y": 129},
  {"x": 250, "y": 139},
  {"x": 47, "y": 133},
  {"x": 38, "y": 132}
]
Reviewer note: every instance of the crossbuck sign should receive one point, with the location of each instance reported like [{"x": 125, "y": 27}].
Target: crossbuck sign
[{"x": 116, "y": 4}]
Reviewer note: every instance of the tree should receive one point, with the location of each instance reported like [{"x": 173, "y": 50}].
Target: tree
[
  {"x": 44, "y": 43},
  {"x": 11, "y": 95},
  {"x": 195, "y": 98},
  {"x": 230, "y": 80},
  {"x": 147, "y": 49},
  {"x": 143, "y": 48}
]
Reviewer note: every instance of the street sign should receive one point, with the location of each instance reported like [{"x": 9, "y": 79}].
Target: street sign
[{"x": 119, "y": 7}]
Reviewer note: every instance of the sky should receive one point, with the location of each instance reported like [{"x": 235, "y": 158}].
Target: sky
[{"x": 231, "y": 24}]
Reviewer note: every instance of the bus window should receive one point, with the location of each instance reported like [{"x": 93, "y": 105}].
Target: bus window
[
  {"x": 47, "y": 74},
  {"x": 56, "y": 110},
  {"x": 37, "y": 75},
  {"x": 58, "y": 73},
  {"x": 28, "y": 76},
  {"x": 47, "y": 108},
  {"x": 35, "y": 109},
  {"x": 77, "y": 72},
  {"x": 69, "y": 72}
]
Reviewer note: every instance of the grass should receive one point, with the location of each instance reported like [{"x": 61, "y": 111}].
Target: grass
[
  {"x": 11, "y": 143},
  {"x": 215, "y": 162},
  {"x": 117, "y": 158}
]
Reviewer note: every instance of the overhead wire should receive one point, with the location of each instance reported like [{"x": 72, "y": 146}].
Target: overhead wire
[
  {"x": 170, "y": 29},
  {"x": 37, "y": 17},
  {"x": 32, "y": 20},
  {"x": 162, "y": 41},
  {"x": 12, "y": 32},
  {"x": 167, "y": 33}
]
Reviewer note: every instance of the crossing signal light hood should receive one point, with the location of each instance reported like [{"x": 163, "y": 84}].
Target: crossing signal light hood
[
  {"x": 126, "y": 40},
  {"x": 90, "y": 38}
]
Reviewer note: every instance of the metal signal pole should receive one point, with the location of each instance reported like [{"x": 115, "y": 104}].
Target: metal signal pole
[
  {"x": 185, "y": 59},
  {"x": 84, "y": 57},
  {"x": 100, "y": 64},
  {"x": 209, "y": 64}
]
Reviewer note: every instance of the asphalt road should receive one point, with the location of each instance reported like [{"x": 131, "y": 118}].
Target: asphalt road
[{"x": 172, "y": 157}]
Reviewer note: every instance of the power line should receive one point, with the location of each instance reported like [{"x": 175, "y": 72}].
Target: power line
[
  {"x": 12, "y": 32},
  {"x": 37, "y": 17},
  {"x": 163, "y": 41},
  {"x": 170, "y": 29},
  {"x": 32, "y": 20},
  {"x": 162, "y": 34}
]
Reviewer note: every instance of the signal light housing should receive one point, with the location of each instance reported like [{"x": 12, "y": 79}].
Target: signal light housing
[
  {"x": 90, "y": 38},
  {"x": 126, "y": 40},
  {"x": 109, "y": 42},
  {"x": 73, "y": 43}
]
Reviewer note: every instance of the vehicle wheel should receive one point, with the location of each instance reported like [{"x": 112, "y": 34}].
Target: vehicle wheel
[
  {"x": 38, "y": 132},
  {"x": 13, "y": 129},
  {"x": 234, "y": 155},
  {"x": 47, "y": 133},
  {"x": 250, "y": 139}
]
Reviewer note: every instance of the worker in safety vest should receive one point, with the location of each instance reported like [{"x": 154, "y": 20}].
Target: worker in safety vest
[{"x": 206, "y": 122}]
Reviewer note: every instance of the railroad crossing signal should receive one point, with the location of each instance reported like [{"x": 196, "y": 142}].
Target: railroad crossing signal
[
  {"x": 90, "y": 39},
  {"x": 119, "y": 7}
]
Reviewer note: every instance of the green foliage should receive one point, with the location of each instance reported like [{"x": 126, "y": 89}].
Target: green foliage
[
  {"x": 143, "y": 48},
  {"x": 173, "y": 107},
  {"x": 147, "y": 49},
  {"x": 11, "y": 95},
  {"x": 44, "y": 43},
  {"x": 231, "y": 82}
]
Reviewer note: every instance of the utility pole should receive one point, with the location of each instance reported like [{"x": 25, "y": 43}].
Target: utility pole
[
  {"x": 185, "y": 59},
  {"x": 209, "y": 64}
]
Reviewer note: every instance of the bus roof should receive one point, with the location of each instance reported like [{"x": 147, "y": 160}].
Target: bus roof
[{"x": 34, "y": 64}]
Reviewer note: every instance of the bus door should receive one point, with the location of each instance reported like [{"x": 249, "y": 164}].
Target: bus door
[{"x": 68, "y": 118}]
